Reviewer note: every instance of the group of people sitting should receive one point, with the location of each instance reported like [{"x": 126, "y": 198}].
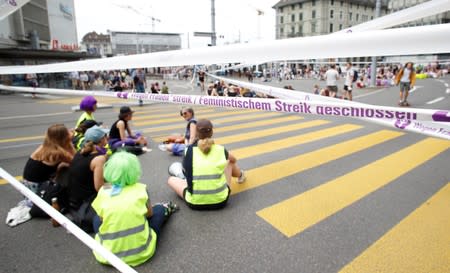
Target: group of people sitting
[
  {"x": 99, "y": 179},
  {"x": 219, "y": 88}
]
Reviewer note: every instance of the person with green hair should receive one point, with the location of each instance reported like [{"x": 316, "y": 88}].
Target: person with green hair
[{"x": 126, "y": 223}]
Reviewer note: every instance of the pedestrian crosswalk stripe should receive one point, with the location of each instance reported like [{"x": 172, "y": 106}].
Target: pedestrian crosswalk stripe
[
  {"x": 76, "y": 100},
  {"x": 269, "y": 132},
  {"x": 176, "y": 119},
  {"x": 275, "y": 118},
  {"x": 271, "y": 172},
  {"x": 300, "y": 212},
  {"x": 284, "y": 143},
  {"x": 168, "y": 115},
  {"x": 419, "y": 243}
]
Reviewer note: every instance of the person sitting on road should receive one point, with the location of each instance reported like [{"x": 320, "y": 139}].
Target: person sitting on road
[
  {"x": 208, "y": 169},
  {"x": 78, "y": 134},
  {"x": 88, "y": 104},
  {"x": 55, "y": 152},
  {"x": 189, "y": 134},
  {"x": 119, "y": 130},
  {"x": 86, "y": 175},
  {"x": 126, "y": 223}
]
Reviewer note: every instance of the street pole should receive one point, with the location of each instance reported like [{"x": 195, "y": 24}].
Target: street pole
[
  {"x": 373, "y": 70},
  {"x": 213, "y": 23}
]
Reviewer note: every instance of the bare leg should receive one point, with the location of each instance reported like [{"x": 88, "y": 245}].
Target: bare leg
[
  {"x": 177, "y": 185},
  {"x": 232, "y": 170}
]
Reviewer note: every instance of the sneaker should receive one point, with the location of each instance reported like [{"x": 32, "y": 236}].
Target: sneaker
[
  {"x": 146, "y": 150},
  {"x": 242, "y": 178},
  {"x": 162, "y": 147},
  {"x": 170, "y": 207}
]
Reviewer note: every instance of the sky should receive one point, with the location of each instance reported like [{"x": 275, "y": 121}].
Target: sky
[{"x": 236, "y": 20}]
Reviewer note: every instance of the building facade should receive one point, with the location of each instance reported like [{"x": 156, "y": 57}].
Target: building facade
[
  {"x": 298, "y": 18},
  {"x": 95, "y": 43},
  {"x": 396, "y": 5},
  {"x": 126, "y": 43}
]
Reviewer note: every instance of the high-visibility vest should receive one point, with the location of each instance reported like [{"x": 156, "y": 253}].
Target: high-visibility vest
[
  {"x": 209, "y": 184},
  {"x": 124, "y": 229},
  {"x": 83, "y": 117}
]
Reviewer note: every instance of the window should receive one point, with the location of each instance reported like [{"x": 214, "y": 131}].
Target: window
[
  {"x": 313, "y": 27},
  {"x": 313, "y": 14},
  {"x": 293, "y": 18},
  {"x": 332, "y": 2},
  {"x": 331, "y": 28},
  {"x": 357, "y": 17},
  {"x": 281, "y": 20},
  {"x": 331, "y": 13},
  {"x": 365, "y": 8},
  {"x": 281, "y": 31},
  {"x": 300, "y": 16},
  {"x": 371, "y": 17},
  {"x": 340, "y": 15},
  {"x": 300, "y": 30},
  {"x": 357, "y": 6},
  {"x": 281, "y": 10},
  {"x": 293, "y": 30},
  {"x": 313, "y": 3},
  {"x": 350, "y": 16},
  {"x": 300, "y": 6},
  {"x": 342, "y": 3},
  {"x": 340, "y": 26},
  {"x": 293, "y": 7}
]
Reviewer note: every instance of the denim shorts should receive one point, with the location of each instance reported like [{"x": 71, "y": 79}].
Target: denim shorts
[{"x": 405, "y": 86}]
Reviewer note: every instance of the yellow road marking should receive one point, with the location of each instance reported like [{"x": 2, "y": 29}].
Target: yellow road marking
[
  {"x": 4, "y": 182},
  {"x": 235, "y": 127},
  {"x": 209, "y": 116},
  {"x": 173, "y": 114},
  {"x": 300, "y": 212},
  {"x": 276, "y": 145},
  {"x": 21, "y": 139},
  {"x": 419, "y": 243},
  {"x": 220, "y": 121},
  {"x": 281, "y": 169},
  {"x": 269, "y": 132}
]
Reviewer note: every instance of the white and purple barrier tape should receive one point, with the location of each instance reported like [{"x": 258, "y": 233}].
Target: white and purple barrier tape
[
  {"x": 425, "y": 121},
  {"x": 402, "y": 41},
  {"x": 67, "y": 224}
]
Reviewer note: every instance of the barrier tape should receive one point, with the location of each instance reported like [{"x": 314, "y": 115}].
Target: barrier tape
[
  {"x": 67, "y": 224},
  {"x": 432, "y": 39},
  {"x": 425, "y": 121}
]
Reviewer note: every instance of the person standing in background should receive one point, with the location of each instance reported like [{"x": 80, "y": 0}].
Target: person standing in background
[{"x": 406, "y": 77}]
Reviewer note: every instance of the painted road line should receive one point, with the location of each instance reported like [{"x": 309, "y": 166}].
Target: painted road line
[
  {"x": 210, "y": 116},
  {"x": 283, "y": 168},
  {"x": 77, "y": 100},
  {"x": 5, "y": 140},
  {"x": 277, "y": 145},
  {"x": 435, "y": 100},
  {"x": 269, "y": 132},
  {"x": 36, "y": 115},
  {"x": 447, "y": 91},
  {"x": 274, "y": 119},
  {"x": 168, "y": 115},
  {"x": 4, "y": 182},
  {"x": 419, "y": 243},
  {"x": 300, "y": 212},
  {"x": 253, "y": 124}
]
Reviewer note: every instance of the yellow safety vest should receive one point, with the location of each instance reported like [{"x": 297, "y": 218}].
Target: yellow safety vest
[
  {"x": 209, "y": 184},
  {"x": 124, "y": 229},
  {"x": 83, "y": 117}
]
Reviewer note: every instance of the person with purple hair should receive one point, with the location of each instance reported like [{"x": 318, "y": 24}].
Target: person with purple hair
[{"x": 88, "y": 104}]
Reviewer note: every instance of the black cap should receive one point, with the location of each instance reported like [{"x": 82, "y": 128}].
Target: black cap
[
  {"x": 125, "y": 110},
  {"x": 89, "y": 123}
]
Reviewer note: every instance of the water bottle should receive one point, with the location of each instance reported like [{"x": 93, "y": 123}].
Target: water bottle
[{"x": 55, "y": 205}]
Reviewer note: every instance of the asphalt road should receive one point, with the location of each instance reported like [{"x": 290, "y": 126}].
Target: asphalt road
[{"x": 322, "y": 195}]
